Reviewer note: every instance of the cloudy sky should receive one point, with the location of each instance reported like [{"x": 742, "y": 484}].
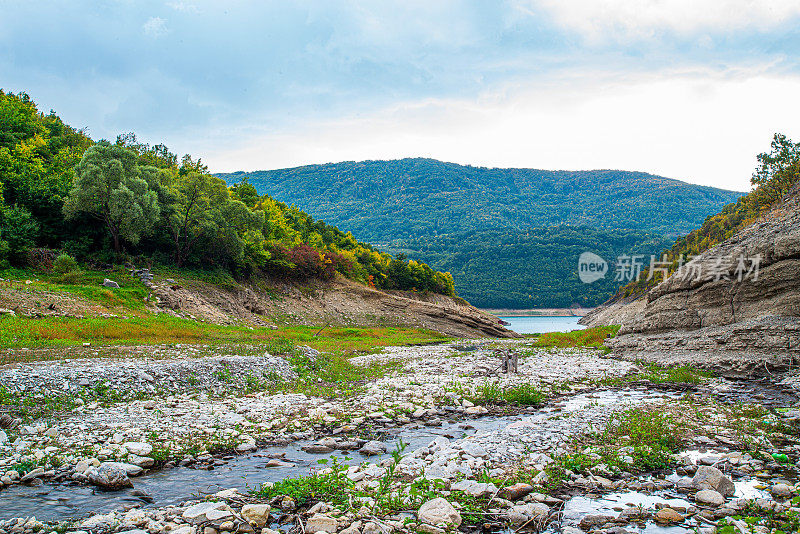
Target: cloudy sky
[{"x": 690, "y": 89}]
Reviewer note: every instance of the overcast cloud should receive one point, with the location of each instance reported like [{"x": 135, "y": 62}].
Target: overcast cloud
[{"x": 691, "y": 89}]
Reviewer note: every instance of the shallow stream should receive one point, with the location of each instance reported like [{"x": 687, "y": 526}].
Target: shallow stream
[{"x": 52, "y": 501}]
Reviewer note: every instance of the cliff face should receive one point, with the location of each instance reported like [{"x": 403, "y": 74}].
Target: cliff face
[{"x": 734, "y": 308}]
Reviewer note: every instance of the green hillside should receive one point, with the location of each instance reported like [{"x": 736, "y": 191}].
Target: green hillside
[
  {"x": 499, "y": 231},
  {"x": 384, "y": 200},
  {"x": 66, "y": 199}
]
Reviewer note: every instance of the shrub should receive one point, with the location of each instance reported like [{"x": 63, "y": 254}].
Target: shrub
[{"x": 64, "y": 264}]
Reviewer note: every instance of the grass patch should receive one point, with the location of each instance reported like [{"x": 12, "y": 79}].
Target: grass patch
[
  {"x": 19, "y": 332},
  {"x": 658, "y": 374},
  {"x": 85, "y": 285},
  {"x": 588, "y": 337},
  {"x": 493, "y": 393}
]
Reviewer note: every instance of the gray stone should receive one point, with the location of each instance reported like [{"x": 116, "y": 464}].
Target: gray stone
[
  {"x": 207, "y": 512},
  {"x": 439, "y": 512},
  {"x": 321, "y": 523},
  {"x": 373, "y": 448},
  {"x": 708, "y": 477},
  {"x": 110, "y": 284},
  {"x": 256, "y": 514},
  {"x": 709, "y": 497},
  {"x": 109, "y": 476}
]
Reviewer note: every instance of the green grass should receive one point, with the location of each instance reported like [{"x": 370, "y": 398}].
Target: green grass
[
  {"x": 84, "y": 285},
  {"x": 18, "y": 332},
  {"x": 658, "y": 374},
  {"x": 588, "y": 337},
  {"x": 493, "y": 393}
]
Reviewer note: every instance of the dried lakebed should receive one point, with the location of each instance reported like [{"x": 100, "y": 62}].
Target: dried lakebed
[{"x": 468, "y": 463}]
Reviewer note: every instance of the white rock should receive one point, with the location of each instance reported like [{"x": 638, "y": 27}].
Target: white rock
[
  {"x": 709, "y": 497},
  {"x": 321, "y": 523},
  {"x": 207, "y": 512},
  {"x": 256, "y": 514},
  {"x": 139, "y": 448},
  {"x": 439, "y": 511}
]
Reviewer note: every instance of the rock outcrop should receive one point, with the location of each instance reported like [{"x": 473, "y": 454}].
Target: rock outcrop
[
  {"x": 734, "y": 308},
  {"x": 341, "y": 302}
]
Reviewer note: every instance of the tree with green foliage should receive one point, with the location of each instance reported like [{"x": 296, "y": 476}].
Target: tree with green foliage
[{"x": 111, "y": 189}]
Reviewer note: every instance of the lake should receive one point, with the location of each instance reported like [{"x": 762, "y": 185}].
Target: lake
[{"x": 541, "y": 324}]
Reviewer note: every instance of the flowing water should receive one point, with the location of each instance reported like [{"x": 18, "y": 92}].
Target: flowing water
[{"x": 52, "y": 501}]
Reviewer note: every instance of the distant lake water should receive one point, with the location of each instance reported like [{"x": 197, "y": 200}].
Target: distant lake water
[{"x": 540, "y": 324}]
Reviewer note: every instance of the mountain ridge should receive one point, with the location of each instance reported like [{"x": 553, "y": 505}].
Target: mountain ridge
[{"x": 403, "y": 204}]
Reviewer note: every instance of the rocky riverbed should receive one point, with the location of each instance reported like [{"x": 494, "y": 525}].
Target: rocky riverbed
[{"x": 214, "y": 439}]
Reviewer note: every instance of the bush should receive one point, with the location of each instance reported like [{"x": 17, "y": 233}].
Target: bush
[{"x": 64, "y": 264}]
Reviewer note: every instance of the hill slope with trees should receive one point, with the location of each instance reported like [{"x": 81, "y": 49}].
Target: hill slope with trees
[
  {"x": 65, "y": 197},
  {"x": 511, "y": 237}
]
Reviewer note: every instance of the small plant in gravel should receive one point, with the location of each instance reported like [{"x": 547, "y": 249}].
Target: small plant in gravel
[
  {"x": 493, "y": 393},
  {"x": 329, "y": 485}
]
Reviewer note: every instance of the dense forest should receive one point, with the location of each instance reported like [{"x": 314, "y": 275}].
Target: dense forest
[
  {"x": 380, "y": 201},
  {"x": 777, "y": 173},
  {"x": 531, "y": 269},
  {"x": 66, "y": 199},
  {"x": 511, "y": 237}
]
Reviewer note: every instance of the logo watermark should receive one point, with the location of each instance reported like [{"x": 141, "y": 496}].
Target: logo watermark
[
  {"x": 591, "y": 267},
  {"x": 631, "y": 267}
]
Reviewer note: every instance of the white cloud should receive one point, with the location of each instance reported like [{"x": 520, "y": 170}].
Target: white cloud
[
  {"x": 185, "y": 7},
  {"x": 155, "y": 27},
  {"x": 609, "y": 19},
  {"x": 703, "y": 126}
]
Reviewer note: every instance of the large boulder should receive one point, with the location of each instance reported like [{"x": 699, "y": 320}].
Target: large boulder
[
  {"x": 439, "y": 512},
  {"x": 711, "y": 478}
]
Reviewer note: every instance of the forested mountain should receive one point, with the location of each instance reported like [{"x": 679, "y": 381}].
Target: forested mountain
[
  {"x": 510, "y": 237},
  {"x": 380, "y": 201},
  {"x": 65, "y": 197}
]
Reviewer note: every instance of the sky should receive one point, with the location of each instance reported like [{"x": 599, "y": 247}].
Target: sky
[{"x": 689, "y": 89}]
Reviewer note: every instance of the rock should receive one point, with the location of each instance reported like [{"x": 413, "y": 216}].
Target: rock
[
  {"x": 709, "y": 497},
  {"x": 109, "y": 476},
  {"x": 689, "y": 318},
  {"x": 317, "y": 449},
  {"x": 376, "y": 528},
  {"x": 522, "y": 513},
  {"x": 99, "y": 522},
  {"x": 256, "y": 514},
  {"x": 247, "y": 446},
  {"x": 476, "y": 410},
  {"x": 207, "y": 512},
  {"x": 130, "y": 469},
  {"x": 3, "y": 437},
  {"x": 595, "y": 520},
  {"x": 321, "y": 523},
  {"x": 139, "y": 448},
  {"x": 141, "y": 461},
  {"x": 438, "y": 511},
  {"x": 475, "y": 489},
  {"x": 708, "y": 477},
  {"x": 517, "y": 491},
  {"x": 110, "y": 283},
  {"x": 668, "y": 515},
  {"x": 33, "y": 474},
  {"x": 781, "y": 490},
  {"x": 373, "y": 448},
  {"x": 473, "y": 449}
]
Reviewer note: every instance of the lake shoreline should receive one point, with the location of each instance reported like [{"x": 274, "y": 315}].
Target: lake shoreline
[{"x": 539, "y": 312}]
